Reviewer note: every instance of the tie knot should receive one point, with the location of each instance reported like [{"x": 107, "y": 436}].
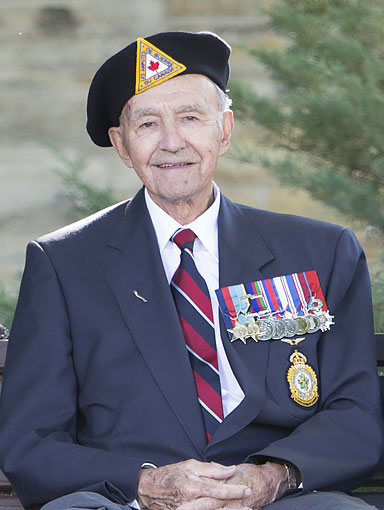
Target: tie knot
[{"x": 184, "y": 238}]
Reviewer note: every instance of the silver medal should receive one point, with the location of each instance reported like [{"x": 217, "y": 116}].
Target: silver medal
[
  {"x": 291, "y": 327},
  {"x": 266, "y": 329},
  {"x": 278, "y": 329}
]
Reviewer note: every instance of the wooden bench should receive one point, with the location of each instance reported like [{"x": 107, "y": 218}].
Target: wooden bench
[{"x": 370, "y": 494}]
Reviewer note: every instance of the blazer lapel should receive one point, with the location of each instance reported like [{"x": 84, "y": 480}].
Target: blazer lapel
[
  {"x": 135, "y": 273},
  {"x": 242, "y": 254}
]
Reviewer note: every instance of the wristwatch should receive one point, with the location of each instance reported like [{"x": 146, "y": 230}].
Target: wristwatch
[{"x": 291, "y": 476}]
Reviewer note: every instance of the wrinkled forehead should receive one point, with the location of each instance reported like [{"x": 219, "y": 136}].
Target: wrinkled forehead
[{"x": 187, "y": 93}]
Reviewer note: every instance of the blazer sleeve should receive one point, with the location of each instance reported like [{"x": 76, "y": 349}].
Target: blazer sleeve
[
  {"x": 343, "y": 441},
  {"x": 39, "y": 452}
]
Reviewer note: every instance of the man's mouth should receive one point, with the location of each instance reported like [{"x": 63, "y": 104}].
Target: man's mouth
[{"x": 181, "y": 164}]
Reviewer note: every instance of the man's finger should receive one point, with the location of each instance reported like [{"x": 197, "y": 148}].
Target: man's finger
[
  {"x": 214, "y": 490},
  {"x": 234, "y": 507},
  {"x": 201, "y": 504},
  {"x": 212, "y": 470},
  {"x": 209, "y": 504}
]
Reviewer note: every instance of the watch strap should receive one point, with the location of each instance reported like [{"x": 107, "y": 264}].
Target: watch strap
[{"x": 291, "y": 476}]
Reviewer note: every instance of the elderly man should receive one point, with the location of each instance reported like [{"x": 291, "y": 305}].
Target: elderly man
[{"x": 178, "y": 350}]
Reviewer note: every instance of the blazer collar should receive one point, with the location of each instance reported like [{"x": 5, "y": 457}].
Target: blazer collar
[{"x": 241, "y": 247}]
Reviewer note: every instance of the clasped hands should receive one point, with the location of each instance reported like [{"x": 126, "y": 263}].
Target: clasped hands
[{"x": 194, "y": 485}]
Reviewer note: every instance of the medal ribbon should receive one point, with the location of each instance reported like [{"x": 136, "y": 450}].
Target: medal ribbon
[{"x": 279, "y": 295}]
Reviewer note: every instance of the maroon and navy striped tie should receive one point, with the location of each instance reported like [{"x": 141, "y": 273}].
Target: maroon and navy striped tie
[{"x": 194, "y": 307}]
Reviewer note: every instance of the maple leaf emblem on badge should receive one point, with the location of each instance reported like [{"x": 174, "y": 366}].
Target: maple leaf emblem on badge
[{"x": 153, "y": 66}]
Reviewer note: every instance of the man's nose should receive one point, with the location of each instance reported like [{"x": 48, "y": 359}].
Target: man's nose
[{"x": 172, "y": 139}]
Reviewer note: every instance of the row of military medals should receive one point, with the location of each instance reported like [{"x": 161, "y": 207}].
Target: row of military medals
[{"x": 265, "y": 325}]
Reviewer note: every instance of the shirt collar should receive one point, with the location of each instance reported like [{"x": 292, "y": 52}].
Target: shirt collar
[{"x": 204, "y": 226}]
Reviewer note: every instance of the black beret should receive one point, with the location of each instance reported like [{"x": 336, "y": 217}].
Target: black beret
[{"x": 118, "y": 78}]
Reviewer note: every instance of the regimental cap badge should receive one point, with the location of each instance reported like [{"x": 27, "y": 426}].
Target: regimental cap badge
[{"x": 153, "y": 66}]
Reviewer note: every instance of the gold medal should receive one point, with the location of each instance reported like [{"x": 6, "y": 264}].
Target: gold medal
[{"x": 302, "y": 380}]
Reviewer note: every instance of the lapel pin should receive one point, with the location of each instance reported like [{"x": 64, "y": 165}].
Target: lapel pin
[{"x": 136, "y": 294}]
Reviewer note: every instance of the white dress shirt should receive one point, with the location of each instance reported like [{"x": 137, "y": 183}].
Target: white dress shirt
[{"x": 206, "y": 255}]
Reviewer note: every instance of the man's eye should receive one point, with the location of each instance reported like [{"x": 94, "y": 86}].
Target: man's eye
[
  {"x": 190, "y": 117},
  {"x": 146, "y": 124}
]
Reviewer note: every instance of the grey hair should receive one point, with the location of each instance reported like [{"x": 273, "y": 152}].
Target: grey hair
[{"x": 224, "y": 101}]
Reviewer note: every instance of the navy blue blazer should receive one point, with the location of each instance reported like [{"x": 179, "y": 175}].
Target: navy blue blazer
[{"x": 98, "y": 381}]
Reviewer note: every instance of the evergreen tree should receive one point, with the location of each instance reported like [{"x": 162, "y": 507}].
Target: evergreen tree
[{"x": 328, "y": 113}]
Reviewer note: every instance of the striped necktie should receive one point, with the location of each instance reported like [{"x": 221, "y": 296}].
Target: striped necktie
[{"x": 194, "y": 308}]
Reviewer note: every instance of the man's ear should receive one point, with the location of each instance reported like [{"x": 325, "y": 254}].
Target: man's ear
[
  {"x": 227, "y": 130},
  {"x": 116, "y": 137}
]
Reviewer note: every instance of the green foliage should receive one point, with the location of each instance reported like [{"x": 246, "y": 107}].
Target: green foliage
[
  {"x": 8, "y": 300},
  {"x": 328, "y": 113},
  {"x": 86, "y": 198},
  {"x": 378, "y": 297}
]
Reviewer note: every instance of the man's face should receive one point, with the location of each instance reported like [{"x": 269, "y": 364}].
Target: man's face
[{"x": 172, "y": 135}]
